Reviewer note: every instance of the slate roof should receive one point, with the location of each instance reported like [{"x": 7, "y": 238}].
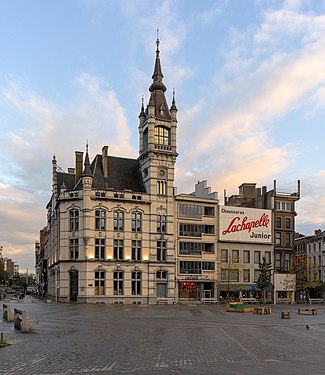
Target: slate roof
[{"x": 123, "y": 174}]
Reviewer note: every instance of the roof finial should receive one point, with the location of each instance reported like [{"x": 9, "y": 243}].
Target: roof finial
[
  {"x": 87, "y": 146},
  {"x": 157, "y": 41}
]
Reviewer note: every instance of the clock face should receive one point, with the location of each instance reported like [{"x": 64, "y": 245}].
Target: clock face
[{"x": 162, "y": 173}]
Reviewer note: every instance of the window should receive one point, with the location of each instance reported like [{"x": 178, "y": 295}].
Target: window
[
  {"x": 278, "y": 262},
  {"x": 207, "y": 266},
  {"x": 118, "y": 249},
  {"x": 224, "y": 275},
  {"x": 288, "y": 239},
  {"x": 161, "y": 224},
  {"x": 145, "y": 138},
  {"x": 162, "y": 136},
  {"x": 195, "y": 230},
  {"x": 161, "y": 187},
  {"x": 235, "y": 256},
  {"x": 246, "y": 256},
  {"x": 195, "y": 248},
  {"x": 284, "y": 206},
  {"x": 209, "y": 211},
  {"x": 74, "y": 248},
  {"x": 136, "y": 282},
  {"x": 99, "y": 283},
  {"x": 161, "y": 275},
  {"x": 229, "y": 275},
  {"x": 118, "y": 283},
  {"x": 190, "y": 230},
  {"x": 119, "y": 221},
  {"x": 190, "y": 267},
  {"x": 99, "y": 248},
  {"x": 136, "y": 250},
  {"x": 287, "y": 262},
  {"x": 256, "y": 275},
  {"x": 190, "y": 211},
  {"x": 224, "y": 255},
  {"x": 100, "y": 219},
  {"x": 161, "y": 251},
  {"x": 234, "y": 275},
  {"x": 257, "y": 257},
  {"x": 278, "y": 222},
  {"x": 246, "y": 275},
  {"x": 278, "y": 238},
  {"x": 136, "y": 222},
  {"x": 267, "y": 256},
  {"x": 288, "y": 223},
  {"x": 74, "y": 220}
]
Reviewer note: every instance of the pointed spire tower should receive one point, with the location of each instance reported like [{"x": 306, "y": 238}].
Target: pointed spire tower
[{"x": 157, "y": 135}]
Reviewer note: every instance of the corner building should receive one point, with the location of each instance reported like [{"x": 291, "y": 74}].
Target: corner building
[{"x": 110, "y": 222}]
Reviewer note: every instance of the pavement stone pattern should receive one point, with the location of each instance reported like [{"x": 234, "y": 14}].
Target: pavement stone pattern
[{"x": 162, "y": 339}]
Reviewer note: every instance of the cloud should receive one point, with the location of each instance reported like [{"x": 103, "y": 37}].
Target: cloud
[
  {"x": 47, "y": 128},
  {"x": 234, "y": 140}
]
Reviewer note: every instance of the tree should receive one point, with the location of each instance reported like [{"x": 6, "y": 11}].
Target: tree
[
  {"x": 264, "y": 278},
  {"x": 305, "y": 269}
]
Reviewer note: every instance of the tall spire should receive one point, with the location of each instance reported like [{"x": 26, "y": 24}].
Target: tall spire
[
  {"x": 87, "y": 171},
  {"x": 157, "y": 89},
  {"x": 157, "y": 72}
]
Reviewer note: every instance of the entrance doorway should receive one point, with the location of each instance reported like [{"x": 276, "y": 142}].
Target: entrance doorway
[{"x": 73, "y": 286}]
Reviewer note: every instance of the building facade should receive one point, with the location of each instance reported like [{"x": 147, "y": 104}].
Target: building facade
[
  {"x": 118, "y": 232},
  {"x": 245, "y": 238},
  {"x": 310, "y": 255},
  {"x": 282, "y": 205}
]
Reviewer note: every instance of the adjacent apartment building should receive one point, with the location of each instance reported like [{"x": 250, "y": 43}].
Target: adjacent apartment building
[{"x": 282, "y": 204}]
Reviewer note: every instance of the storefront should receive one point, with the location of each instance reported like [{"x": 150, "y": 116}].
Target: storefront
[{"x": 194, "y": 290}]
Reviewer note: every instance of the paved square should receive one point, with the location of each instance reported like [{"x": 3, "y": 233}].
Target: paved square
[{"x": 181, "y": 339}]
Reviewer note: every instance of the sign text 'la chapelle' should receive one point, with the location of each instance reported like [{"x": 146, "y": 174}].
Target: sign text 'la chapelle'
[{"x": 249, "y": 224}]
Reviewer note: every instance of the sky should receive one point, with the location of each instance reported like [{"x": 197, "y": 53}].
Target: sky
[{"x": 249, "y": 80}]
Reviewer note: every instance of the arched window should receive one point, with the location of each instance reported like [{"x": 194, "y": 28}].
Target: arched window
[
  {"x": 162, "y": 136},
  {"x": 99, "y": 283},
  {"x": 161, "y": 275},
  {"x": 136, "y": 282},
  {"x": 119, "y": 221},
  {"x": 118, "y": 283},
  {"x": 136, "y": 222},
  {"x": 100, "y": 219}
]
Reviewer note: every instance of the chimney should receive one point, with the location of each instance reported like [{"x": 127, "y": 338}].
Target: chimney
[
  {"x": 105, "y": 160},
  {"x": 317, "y": 232},
  {"x": 79, "y": 165}
]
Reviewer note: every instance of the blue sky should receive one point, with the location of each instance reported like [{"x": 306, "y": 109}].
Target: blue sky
[{"x": 250, "y": 89}]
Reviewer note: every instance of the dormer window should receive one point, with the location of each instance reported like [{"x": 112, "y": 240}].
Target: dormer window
[
  {"x": 162, "y": 135},
  {"x": 161, "y": 109}
]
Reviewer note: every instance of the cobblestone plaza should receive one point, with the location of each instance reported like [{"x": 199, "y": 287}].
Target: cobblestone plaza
[{"x": 162, "y": 339}]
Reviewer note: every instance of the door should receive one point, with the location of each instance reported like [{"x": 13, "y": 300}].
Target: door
[
  {"x": 161, "y": 289},
  {"x": 73, "y": 286}
]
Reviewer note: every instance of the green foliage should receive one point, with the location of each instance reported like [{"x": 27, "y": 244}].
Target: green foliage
[
  {"x": 306, "y": 271},
  {"x": 264, "y": 279}
]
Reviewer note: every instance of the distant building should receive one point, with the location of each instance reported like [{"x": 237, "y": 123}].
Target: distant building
[{"x": 311, "y": 249}]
